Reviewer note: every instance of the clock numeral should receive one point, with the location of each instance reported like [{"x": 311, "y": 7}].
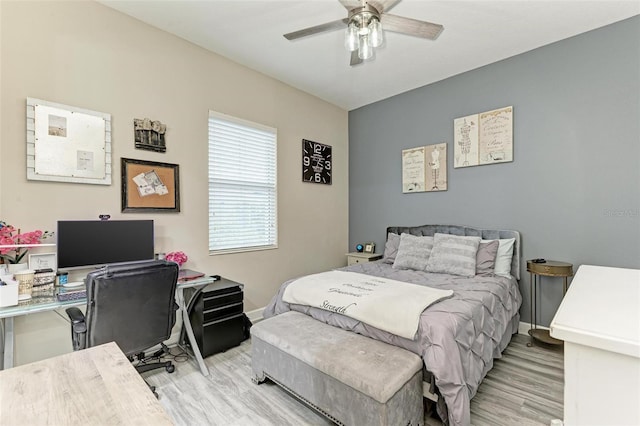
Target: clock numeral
[
  {"x": 317, "y": 149},
  {"x": 306, "y": 161},
  {"x": 318, "y": 177},
  {"x": 327, "y": 165}
]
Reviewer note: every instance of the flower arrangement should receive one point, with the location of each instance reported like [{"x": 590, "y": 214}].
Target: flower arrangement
[
  {"x": 10, "y": 236},
  {"x": 178, "y": 257}
]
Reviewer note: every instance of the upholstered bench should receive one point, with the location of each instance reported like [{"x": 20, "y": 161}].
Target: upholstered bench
[{"x": 349, "y": 378}]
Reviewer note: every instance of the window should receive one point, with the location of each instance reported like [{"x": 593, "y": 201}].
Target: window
[{"x": 242, "y": 185}]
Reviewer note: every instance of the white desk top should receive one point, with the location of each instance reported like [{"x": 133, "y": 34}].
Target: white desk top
[
  {"x": 93, "y": 386},
  {"x": 601, "y": 310}
]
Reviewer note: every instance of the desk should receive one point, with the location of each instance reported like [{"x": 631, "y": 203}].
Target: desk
[
  {"x": 31, "y": 306},
  {"x": 93, "y": 386},
  {"x": 50, "y": 303}
]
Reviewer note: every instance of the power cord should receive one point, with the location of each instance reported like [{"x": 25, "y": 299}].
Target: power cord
[{"x": 175, "y": 354}]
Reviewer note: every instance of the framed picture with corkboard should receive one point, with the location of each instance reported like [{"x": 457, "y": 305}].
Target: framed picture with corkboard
[{"x": 148, "y": 186}]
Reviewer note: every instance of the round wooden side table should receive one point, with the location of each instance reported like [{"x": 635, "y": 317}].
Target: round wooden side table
[{"x": 550, "y": 268}]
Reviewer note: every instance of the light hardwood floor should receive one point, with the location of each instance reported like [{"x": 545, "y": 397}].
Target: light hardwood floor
[{"x": 525, "y": 387}]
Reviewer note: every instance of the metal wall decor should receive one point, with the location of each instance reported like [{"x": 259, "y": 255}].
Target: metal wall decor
[{"x": 150, "y": 135}]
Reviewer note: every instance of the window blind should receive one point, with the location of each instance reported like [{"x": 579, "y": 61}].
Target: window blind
[{"x": 242, "y": 185}]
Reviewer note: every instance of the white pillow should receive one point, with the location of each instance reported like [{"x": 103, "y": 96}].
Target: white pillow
[
  {"x": 413, "y": 252},
  {"x": 503, "y": 258}
]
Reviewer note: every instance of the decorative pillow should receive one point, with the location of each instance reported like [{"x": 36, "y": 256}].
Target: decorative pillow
[
  {"x": 413, "y": 252},
  {"x": 391, "y": 248},
  {"x": 453, "y": 254},
  {"x": 486, "y": 258},
  {"x": 503, "y": 258}
]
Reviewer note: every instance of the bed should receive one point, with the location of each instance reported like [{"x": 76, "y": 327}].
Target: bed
[{"x": 457, "y": 338}]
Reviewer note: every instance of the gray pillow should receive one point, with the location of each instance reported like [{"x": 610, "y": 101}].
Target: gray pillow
[
  {"x": 453, "y": 254},
  {"x": 486, "y": 258},
  {"x": 413, "y": 252},
  {"x": 391, "y": 248}
]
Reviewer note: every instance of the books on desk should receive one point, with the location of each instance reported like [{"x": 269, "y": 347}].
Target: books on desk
[{"x": 188, "y": 274}]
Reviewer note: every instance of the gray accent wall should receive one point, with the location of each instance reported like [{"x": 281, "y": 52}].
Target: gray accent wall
[{"x": 573, "y": 189}]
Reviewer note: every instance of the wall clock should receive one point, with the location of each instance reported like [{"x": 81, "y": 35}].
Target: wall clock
[{"x": 316, "y": 162}]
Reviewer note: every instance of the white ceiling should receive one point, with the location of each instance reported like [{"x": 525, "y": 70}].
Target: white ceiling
[{"x": 476, "y": 33}]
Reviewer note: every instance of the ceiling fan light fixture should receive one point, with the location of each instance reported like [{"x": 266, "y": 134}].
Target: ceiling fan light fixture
[
  {"x": 351, "y": 37},
  {"x": 364, "y": 31},
  {"x": 365, "y": 49},
  {"x": 375, "y": 32}
]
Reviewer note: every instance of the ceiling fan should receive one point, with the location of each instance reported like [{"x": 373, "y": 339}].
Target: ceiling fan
[{"x": 365, "y": 23}]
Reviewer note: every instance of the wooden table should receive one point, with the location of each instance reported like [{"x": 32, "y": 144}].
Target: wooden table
[{"x": 93, "y": 386}]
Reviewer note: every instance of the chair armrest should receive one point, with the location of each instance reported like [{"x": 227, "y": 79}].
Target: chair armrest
[
  {"x": 75, "y": 315},
  {"x": 78, "y": 328}
]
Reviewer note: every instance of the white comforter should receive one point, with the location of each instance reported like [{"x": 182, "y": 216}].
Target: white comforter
[{"x": 390, "y": 305}]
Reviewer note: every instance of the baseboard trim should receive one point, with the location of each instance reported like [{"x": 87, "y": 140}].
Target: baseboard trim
[
  {"x": 255, "y": 315},
  {"x": 523, "y": 327}
]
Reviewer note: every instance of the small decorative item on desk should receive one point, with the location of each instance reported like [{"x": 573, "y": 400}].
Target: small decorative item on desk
[
  {"x": 43, "y": 281},
  {"x": 176, "y": 256},
  {"x": 25, "y": 283},
  {"x": 62, "y": 278},
  {"x": 14, "y": 245}
]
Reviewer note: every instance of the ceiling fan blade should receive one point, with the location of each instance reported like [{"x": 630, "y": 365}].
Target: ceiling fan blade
[
  {"x": 400, "y": 24},
  {"x": 355, "y": 59},
  {"x": 316, "y": 29},
  {"x": 384, "y": 5},
  {"x": 350, "y": 4}
]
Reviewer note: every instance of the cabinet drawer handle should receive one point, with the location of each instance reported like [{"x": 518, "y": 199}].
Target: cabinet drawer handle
[
  {"x": 222, "y": 320},
  {"x": 222, "y": 307},
  {"x": 222, "y": 295}
]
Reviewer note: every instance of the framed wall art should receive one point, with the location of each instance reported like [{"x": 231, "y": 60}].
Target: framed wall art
[
  {"x": 149, "y": 186},
  {"x": 67, "y": 144},
  {"x": 413, "y": 169},
  {"x": 484, "y": 138},
  {"x": 424, "y": 168}
]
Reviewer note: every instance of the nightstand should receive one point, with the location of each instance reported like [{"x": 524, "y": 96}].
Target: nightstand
[
  {"x": 356, "y": 257},
  {"x": 550, "y": 268}
]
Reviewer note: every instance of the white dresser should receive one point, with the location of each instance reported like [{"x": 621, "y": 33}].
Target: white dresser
[{"x": 599, "y": 321}]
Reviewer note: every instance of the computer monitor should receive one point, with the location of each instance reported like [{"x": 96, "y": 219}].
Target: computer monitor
[{"x": 94, "y": 243}]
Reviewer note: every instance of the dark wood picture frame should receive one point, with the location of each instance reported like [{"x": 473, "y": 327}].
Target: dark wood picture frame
[{"x": 149, "y": 186}]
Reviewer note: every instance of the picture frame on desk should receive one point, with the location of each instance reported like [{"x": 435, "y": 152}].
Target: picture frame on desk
[
  {"x": 43, "y": 261},
  {"x": 149, "y": 186},
  {"x": 370, "y": 247}
]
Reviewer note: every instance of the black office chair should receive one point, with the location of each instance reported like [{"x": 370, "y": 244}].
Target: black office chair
[{"x": 131, "y": 304}]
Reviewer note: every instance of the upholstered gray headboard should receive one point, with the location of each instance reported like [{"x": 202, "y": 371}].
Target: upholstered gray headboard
[{"x": 486, "y": 234}]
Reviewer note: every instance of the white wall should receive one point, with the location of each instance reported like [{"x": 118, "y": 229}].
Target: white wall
[{"x": 89, "y": 56}]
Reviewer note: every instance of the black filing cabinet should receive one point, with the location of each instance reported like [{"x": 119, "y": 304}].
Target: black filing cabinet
[{"x": 216, "y": 313}]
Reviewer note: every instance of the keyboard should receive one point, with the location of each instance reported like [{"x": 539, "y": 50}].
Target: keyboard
[{"x": 71, "y": 295}]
